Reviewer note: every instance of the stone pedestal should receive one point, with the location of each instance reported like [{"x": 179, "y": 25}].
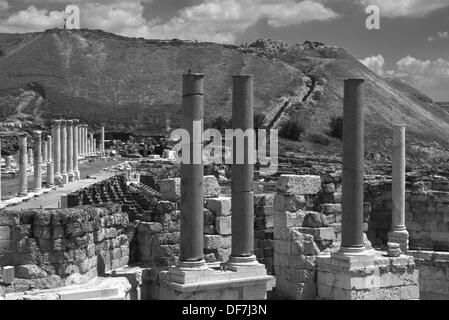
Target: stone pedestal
[
  {"x": 212, "y": 284},
  {"x": 369, "y": 276}
]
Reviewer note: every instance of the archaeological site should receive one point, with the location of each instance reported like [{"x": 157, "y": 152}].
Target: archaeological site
[{"x": 142, "y": 169}]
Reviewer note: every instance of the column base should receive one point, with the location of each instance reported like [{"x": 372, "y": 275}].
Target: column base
[
  {"x": 240, "y": 263},
  {"x": 71, "y": 176},
  {"x": 38, "y": 191},
  {"x": 366, "y": 277},
  {"x": 76, "y": 175},
  {"x": 65, "y": 178},
  {"x": 58, "y": 180},
  {"x": 192, "y": 265},
  {"x": 400, "y": 237},
  {"x": 211, "y": 284}
]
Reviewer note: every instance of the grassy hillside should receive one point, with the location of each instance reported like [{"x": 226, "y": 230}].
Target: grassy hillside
[{"x": 134, "y": 85}]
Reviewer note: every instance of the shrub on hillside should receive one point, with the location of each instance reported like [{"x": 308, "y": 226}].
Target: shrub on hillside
[
  {"x": 320, "y": 139},
  {"x": 336, "y": 127},
  {"x": 291, "y": 130}
]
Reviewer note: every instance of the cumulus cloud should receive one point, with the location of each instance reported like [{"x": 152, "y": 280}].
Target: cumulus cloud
[
  {"x": 439, "y": 35},
  {"x": 406, "y": 8},
  {"x": 205, "y": 20},
  {"x": 375, "y": 63}
]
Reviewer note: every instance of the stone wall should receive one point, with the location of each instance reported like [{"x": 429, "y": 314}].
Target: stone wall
[
  {"x": 433, "y": 274},
  {"x": 55, "y": 247},
  {"x": 263, "y": 230}
]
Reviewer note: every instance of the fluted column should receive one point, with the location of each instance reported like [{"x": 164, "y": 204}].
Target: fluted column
[
  {"x": 86, "y": 139},
  {"x": 56, "y": 136},
  {"x": 65, "y": 177},
  {"x": 23, "y": 164},
  {"x": 37, "y": 161},
  {"x": 102, "y": 140},
  {"x": 50, "y": 165},
  {"x": 70, "y": 172},
  {"x": 44, "y": 152},
  {"x": 76, "y": 170}
]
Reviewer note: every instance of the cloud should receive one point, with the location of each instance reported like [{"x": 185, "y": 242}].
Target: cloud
[
  {"x": 4, "y": 5},
  {"x": 439, "y": 35},
  {"x": 406, "y": 8},
  {"x": 204, "y": 20},
  {"x": 375, "y": 63}
]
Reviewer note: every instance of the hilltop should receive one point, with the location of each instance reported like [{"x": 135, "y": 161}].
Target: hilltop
[{"x": 133, "y": 85}]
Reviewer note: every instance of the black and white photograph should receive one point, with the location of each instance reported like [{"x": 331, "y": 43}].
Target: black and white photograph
[{"x": 227, "y": 154}]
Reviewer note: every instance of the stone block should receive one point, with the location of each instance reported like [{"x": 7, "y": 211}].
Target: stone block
[
  {"x": 319, "y": 234},
  {"x": 303, "y": 244},
  {"x": 213, "y": 242},
  {"x": 439, "y": 236},
  {"x": 223, "y": 254},
  {"x": 29, "y": 271},
  {"x": 332, "y": 208},
  {"x": 223, "y": 225},
  {"x": 8, "y": 275},
  {"x": 219, "y": 206},
  {"x": 5, "y": 233},
  {"x": 282, "y": 246},
  {"x": 288, "y": 219},
  {"x": 264, "y": 200},
  {"x": 211, "y": 187},
  {"x": 300, "y": 185},
  {"x": 290, "y": 203},
  {"x": 170, "y": 189},
  {"x": 315, "y": 220}
]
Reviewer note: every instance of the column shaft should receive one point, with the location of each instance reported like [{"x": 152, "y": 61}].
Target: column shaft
[
  {"x": 352, "y": 193},
  {"x": 102, "y": 140},
  {"x": 192, "y": 207},
  {"x": 70, "y": 150},
  {"x": 76, "y": 149},
  {"x": 242, "y": 172},
  {"x": 56, "y": 135},
  {"x": 50, "y": 165},
  {"x": 23, "y": 165},
  {"x": 37, "y": 161},
  {"x": 64, "y": 151}
]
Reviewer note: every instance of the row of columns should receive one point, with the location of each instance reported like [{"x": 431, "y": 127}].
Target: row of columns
[{"x": 68, "y": 142}]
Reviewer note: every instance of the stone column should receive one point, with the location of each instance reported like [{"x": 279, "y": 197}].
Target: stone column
[
  {"x": 1, "y": 174},
  {"x": 70, "y": 172},
  {"x": 76, "y": 170},
  {"x": 65, "y": 177},
  {"x": 91, "y": 143},
  {"x": 23, "y": 165},
  {"x": 102, "y": 140},
  {"x": 398, "y": 233},
  {"x": 86, "y": 140},
  {"x": 44, "y": 152},
  {"x": 80, "y": 152},
  {"x": 50, "y": 173},
  {"x": 192, "y": 206},
  {"x": 95, "y": 146},
  {"x": 30, "y": 156},
  {"x": 37, "y": 161},
  {"x": 352, "y": 193},
  {"x": 242, "y": 207},
  {"x": 8, "y": 162},
  {"x": 56, "y": 135}
]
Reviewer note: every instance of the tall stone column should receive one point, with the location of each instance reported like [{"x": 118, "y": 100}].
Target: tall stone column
[
  {"x": 80, "y": 152},
  {"x": 94, "y": 146},
  {"x": 30, "y": 156},
  {"x": 37, "y": 161},
  {"x": 76, "y": 170},
  {"x": 65, "y": 177},
  {"x": 1, "y": 174},
  {"x": 352, "y": 193},
  {"x": 92, "y": 143},
  {"x": 102, "y": 141},
  {"x": 56, "y": 135},
  {"x": 23, "y": 164},
  {"x": 192, "y": 206},
  {"x": 50, "y": 166},
  {"x": 44, "y": 152},
  {"x": 242, "y": 207},
  {"x": 86, "y": 140},
  {"x": 8, "y": 161},
  {"x": 398, "y": 233},
  {"x": 70, "y": 172}
]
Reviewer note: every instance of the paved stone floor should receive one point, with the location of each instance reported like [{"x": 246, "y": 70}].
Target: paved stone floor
[{"x": 52, "y": 199}]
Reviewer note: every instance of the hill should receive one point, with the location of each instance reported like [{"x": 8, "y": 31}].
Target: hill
[{"x": 133, "y": 85}]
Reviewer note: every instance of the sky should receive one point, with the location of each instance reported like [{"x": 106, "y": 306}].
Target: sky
[{"x": 412, "y": 42}]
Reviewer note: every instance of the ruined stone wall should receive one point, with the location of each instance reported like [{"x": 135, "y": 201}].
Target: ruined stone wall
[
  {"x": 263, "y": 230},
  {"x": 55, "y": 247},
  {"x": 433, "y": 274}
]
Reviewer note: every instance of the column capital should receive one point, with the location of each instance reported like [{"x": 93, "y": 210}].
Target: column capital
[
  {"x": 56, "y": 123},
  {"x": 63, "y": 122},
  {"x": 70, "y": 122},
  {"x": 21, "y": 134},
  {"x": 76, "y": 122}
]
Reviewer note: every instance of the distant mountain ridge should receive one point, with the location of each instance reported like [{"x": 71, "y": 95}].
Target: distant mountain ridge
[{"x": 133, "y": 85}]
